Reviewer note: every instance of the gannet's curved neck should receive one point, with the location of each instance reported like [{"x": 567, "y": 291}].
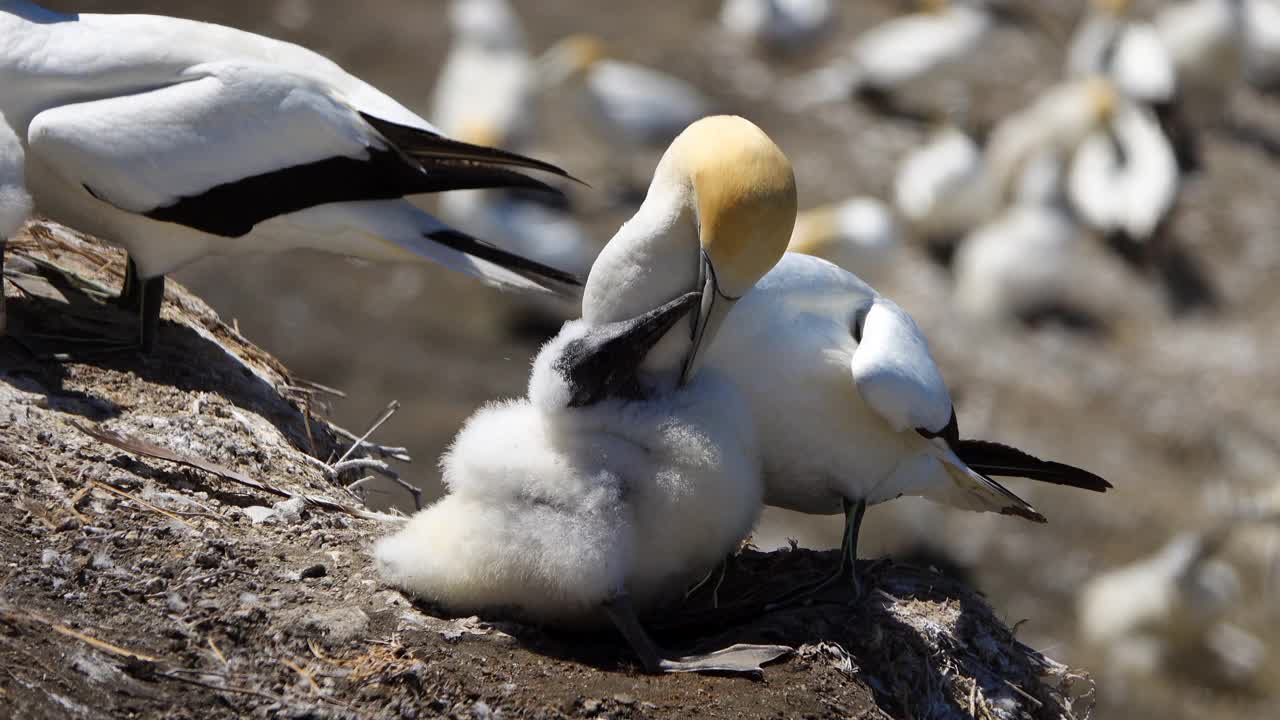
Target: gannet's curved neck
[{"x": 653, "y": 258}]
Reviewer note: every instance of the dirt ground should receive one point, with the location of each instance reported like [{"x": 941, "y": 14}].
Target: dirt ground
[{"x": 1177, "y": 411}]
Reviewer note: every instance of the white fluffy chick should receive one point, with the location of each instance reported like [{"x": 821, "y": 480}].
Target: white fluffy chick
[
  {"x": 15, "y": 202},
  {"x": 860, "y": 235},
  {"x": 635, "y": 104},
  {"x": 598, "y": 497}
]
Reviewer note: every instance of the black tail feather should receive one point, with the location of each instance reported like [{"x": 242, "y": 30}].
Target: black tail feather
[{"x": 989, "y": 458}]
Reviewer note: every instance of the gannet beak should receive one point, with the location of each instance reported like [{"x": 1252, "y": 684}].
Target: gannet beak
[
  {"x": 714, "y": 309},
  {"x": 603, "y": 363}
]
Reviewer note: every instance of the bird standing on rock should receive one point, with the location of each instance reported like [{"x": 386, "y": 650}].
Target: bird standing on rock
[
  {"x": 850, "y": 407},
  {"x": 178, "y": 139}
]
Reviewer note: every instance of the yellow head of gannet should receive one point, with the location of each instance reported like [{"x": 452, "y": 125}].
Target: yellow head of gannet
[
  {"x": 743, "y": 195},
  {"x": 1114, "y": 8},
  {"x": 933, "y": 7}
]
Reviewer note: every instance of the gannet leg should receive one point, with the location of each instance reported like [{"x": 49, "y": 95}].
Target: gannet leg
[
  {"x": 847, "y": 564},
  {"x": 131, "y": 292},
  {"x": 739, "y": 659},
  {"x": 149, "y": 312}
]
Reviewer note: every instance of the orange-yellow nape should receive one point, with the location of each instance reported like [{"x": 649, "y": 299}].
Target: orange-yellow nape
[
  {"x": 1102, "y": 97},
  {"x": 582, "y": 50},
  {"x": 745, "y": 194}
]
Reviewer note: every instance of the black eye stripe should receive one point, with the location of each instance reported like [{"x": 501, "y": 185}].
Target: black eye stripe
[{"x": 860, "y": 319}]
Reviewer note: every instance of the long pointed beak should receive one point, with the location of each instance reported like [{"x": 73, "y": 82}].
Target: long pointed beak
[
  {"x": 603, "y": 363},
  {"x": 711, "y": 314}
]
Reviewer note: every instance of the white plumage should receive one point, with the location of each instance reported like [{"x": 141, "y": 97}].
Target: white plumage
[
  {"x": 15, "y": 202},
  {"x": 1128, "y": 51},
  {"x": 1206, "y": 39},
  {"x": 938, "y": 187},
  {"x": 554, "y": 510},
  {"x": 1125, "y": 178},
  {"x": 488, "y": 52},
  {"x": 177, "y": 139},
  {"x": 779, "y": 25},
  {"x": 860, "y": 235},
  {"x": 634, "y": 103}
]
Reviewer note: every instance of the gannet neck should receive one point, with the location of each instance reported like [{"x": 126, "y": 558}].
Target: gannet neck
[{"x": 652, "y": 259}]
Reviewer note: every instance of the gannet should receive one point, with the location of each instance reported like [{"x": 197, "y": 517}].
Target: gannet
[
  {"x": 778, "y": 25},
  {"x": 488, "y": 50},
  {"x": 605, "y": 494},
  {"x": 888, "y": 56},
  {"x": 1206, "y": 39},
  {"x": 1124, "y": 178},
  {"x": 1262, "y": 46},
  {"x": 850, "y": 407},
  {"x": 634, "y": 103},
  {"x": 860, "y": 235},
  {"x": 1132, "y": 55},
  {"x": 938, "y": 188},
  {"x": 178, "y": 139},
  {"x": 1055, "y": 122},
  {"x": 15, "y": 202}
]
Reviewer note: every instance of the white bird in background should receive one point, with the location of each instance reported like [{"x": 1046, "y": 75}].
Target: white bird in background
[
  {"x": 1262, "y": 47},
  {"x": 938, "y": 187},
  {"x": 488, "y": 52},
  {"x": 888, "y": 57},
  {"x": 1124, "y": 179},
  {"x": 1056, "y": 122},
  {"x": 850, "y": 407},
  {"x": 15, "y": 202},
  {"x": 860, "y": 235},
  {"x": 1171, "y": 607},
  {"x": 599, "y": 496},
  {"x": 1206, "y": 39},
  {"x": 1131, "y": 54},
  {"x": 636, "y": 104},
  {"x": 778, "y": 25},
  {"x": 177, "y": 139}
]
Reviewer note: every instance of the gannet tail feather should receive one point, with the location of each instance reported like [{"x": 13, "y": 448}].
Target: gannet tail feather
[
  {"x": 989, "y": 458},
  {"x": 976, "y": 491}
]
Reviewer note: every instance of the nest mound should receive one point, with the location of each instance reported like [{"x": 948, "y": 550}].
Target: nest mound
[{"x": 181, "y": 544}]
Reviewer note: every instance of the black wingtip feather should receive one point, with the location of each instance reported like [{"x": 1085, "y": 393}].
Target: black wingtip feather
[
  {"x": 556, "y": 280},
  {"x": 429, "y": 147},
  {"x": 991, "y": 458}
]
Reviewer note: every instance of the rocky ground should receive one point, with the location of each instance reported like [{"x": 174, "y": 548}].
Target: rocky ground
[{"x": 1177, "y": 411}]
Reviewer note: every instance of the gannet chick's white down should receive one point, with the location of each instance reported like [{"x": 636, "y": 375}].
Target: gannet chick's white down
[
  {"x": 600, "y": 497},
  {"x": 634, "y": 103},
  {"x": 178, "y": 139},
  {"x": 15, "y": 201},
  {"x": 850, "y": 408}
]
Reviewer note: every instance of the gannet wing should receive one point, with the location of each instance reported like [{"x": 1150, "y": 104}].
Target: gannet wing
[
  {"x": 895, "y": 373},
  {"x": 231, "y": 144}
]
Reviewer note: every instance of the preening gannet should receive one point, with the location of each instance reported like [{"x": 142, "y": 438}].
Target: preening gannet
[
  {"x": 605, "y": 494},
  {"x": 860, "y": 235},
  {"x": 850, "y": 407},
  {"x": 178, "y": 139},
  {"x": 15, "y": 202},
  {"x": 1124, "y": 178},
  {"x": 634, "y": 103},
  {"x": 778, "y": 25}
]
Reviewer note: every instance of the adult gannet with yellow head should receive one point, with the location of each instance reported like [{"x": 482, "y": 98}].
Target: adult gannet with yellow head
[{"x": 850, "y": 407}]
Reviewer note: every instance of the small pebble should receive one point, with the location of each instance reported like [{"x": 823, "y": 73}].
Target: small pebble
[{"x": 315, "y": 571}]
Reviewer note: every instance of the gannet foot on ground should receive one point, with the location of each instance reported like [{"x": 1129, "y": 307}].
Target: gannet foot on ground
[
  {"x": 847, "y": 565},
  {"x": 738, "y": 659}
]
